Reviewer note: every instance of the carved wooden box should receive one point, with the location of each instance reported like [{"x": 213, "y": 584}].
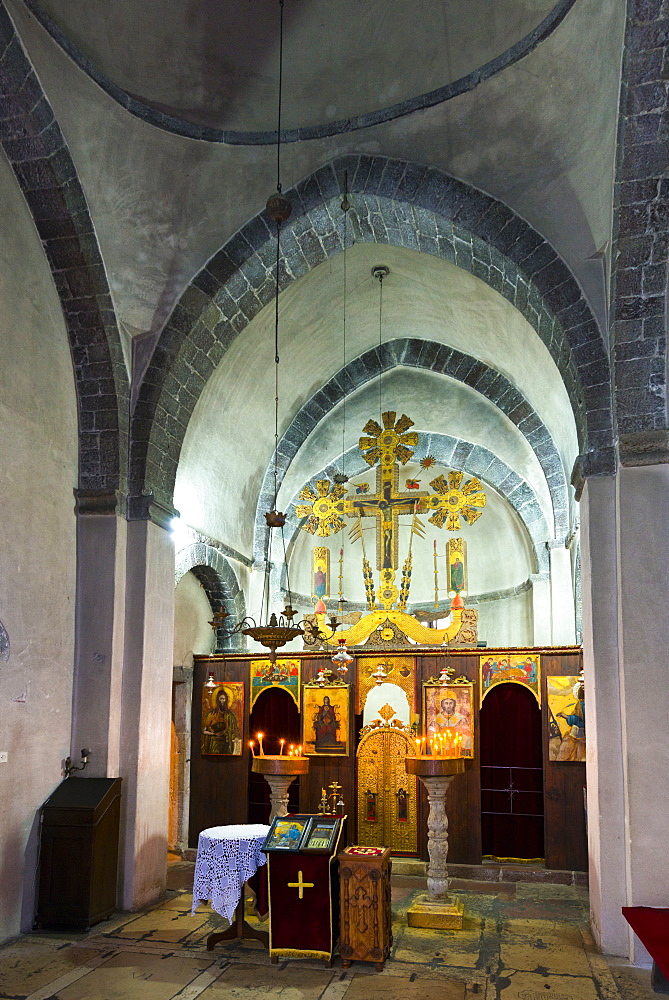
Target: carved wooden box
[{"x": 366, "y": 918}]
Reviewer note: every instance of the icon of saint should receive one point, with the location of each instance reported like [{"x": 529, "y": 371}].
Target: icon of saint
[{"x": 220, "y": 728}]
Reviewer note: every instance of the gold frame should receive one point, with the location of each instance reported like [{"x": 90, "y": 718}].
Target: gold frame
[
  {"x": 209, "y": 697},
  {"x": 320, "y": 556},
  {"x": 294, "y": 694},
  {"x": 339, "y": 687},
  {"x": 455, "y": 546},
  {"x": 393, "y": 663},
  {"x": 534, "y": 686},
  {"x": 452, "y": 686}
]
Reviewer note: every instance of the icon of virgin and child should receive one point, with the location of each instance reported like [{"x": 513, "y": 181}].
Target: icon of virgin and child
[{"x": 326, "y": 725}]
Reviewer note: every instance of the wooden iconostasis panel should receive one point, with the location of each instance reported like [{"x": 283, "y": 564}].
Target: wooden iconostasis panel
[{"x": 219, "y": 792}]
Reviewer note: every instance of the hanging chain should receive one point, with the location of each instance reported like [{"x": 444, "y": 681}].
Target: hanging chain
[{"x": 278, "y": 131}]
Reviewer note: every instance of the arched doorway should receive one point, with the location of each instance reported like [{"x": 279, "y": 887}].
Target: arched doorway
[
  {"x": 275, "y": 713},
  {"x": 512, "y": 795}
]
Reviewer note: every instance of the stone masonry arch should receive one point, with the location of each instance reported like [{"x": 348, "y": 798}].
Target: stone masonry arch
[
  {"x": 220, "y": 584},
  {"x": 38, "y": 154},
  {"x": 432, "y": 357},
  {"x": 394, "y": 202}
]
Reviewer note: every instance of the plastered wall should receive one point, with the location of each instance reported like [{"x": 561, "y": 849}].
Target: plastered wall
[{"x": 38, "y": 458}]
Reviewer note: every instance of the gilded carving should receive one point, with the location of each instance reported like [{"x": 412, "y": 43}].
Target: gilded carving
[
  {"x": 400, "y": 670},
  {"x": 382, "y": 775}
]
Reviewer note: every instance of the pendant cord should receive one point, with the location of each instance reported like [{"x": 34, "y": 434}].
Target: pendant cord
[
  {"x": 276, "y": 364},
  {"x": 381, "y": 276},
  {"x": 345, "y": 207},
  {"x": 278, "y": 132}
]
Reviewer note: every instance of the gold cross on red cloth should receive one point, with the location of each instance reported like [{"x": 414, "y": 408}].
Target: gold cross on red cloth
[{"x": 300, "y": 885}]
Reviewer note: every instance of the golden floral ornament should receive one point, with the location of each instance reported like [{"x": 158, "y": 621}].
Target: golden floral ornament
[
  {"x": 390, "y": 442},
  {"x": 322, "y": 508},
  {"x": 453, "y": 499}
]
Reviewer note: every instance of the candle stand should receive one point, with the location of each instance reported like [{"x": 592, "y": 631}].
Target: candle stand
[
  {"x": 434, "y": 908},
  {"x": 279, "y": 773}
]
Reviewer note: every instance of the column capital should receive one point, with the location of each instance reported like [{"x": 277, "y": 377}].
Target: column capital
[
  {"x": 146, "y": 507},
  {"x": 644, "y": 448},
  {"x": 142, "y": 507},
  {"x": 592, "y": 463},
  {"x": 97, "y": 501}
]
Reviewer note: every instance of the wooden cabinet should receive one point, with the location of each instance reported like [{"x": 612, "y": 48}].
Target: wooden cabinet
[
  {"x": 79, "y": 853},
  {"x": 366, "y": 916}
]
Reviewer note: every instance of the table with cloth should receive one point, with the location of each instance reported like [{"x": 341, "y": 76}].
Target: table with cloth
[{"x": 227, "y": 858}]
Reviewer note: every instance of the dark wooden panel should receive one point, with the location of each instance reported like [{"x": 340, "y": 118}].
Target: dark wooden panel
[
  {"x": 218, "y": 785},
  {"x": 323, "y": 770},
  {"x": 463, "y": 799},
  {"x": 565, "y": 837}
]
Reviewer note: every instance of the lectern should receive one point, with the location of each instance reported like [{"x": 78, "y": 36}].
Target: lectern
[{"x": 79, "y": 853}]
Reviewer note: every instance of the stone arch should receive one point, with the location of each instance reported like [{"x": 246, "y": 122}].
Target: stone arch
[
  {"x": 436, "y": 358},
  {"x": 640, "y": 254},
  {"x": 182, "y": 126},
  {"x": 394, "y": 202},
  {"x": 473, "y": 460},
  {"x": 38, "y": 153},
  {"x": 220, "y": 584}
]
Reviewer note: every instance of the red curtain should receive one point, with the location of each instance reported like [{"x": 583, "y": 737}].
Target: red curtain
[
  {"x": 512, "y": 805},
  {"x": 274, "y": 714}
]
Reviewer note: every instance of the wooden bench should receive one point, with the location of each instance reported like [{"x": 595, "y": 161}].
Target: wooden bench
[{"x": 651, "y": 926}]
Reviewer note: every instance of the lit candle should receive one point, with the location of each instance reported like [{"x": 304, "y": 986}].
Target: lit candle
[
  {"x": 299, "y": 750},
  {"x": 259, "y": 737},
  {"x": 292, "y": 751},
  {"x": 417, "y": 748},
  {"x": 281, "y": 750},
  {"x": 253, "y": 753},
  {"x": 423, "y": 748}
]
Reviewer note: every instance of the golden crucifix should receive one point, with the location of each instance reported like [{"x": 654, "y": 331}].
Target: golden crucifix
[
  {"x": 388, "y": 445},
  {"x": 300, "y": 885}
]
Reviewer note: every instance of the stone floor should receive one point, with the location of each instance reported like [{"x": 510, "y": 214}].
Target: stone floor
[{"x": 520, "y": 941}]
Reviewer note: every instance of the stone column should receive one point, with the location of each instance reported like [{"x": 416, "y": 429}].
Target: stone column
[
  {"x": 279, "y": 785},
  {"x": 146, "y": 713},
  {"x": 437, "y": 836},
  {"x": 99, "y": 632},
  {"x": 604, "y": 746},
  {"x": 643, "y": 601},
  {"x": 563, "y": 618},
  {"x": 626, "y": 623},
  {"x": 541, "y": 609},
  {"x": 183, "y": 679}
]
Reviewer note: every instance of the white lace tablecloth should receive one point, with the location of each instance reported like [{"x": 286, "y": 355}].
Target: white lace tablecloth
[{"x": 226, "y": 857}]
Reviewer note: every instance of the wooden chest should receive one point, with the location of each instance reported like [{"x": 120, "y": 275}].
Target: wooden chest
[
  {"x": 366, "y": 917},
  {"x": 79, "y": 853}
]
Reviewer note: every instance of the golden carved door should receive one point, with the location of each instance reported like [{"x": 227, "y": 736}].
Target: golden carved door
[{"x": 387, "y": 815}]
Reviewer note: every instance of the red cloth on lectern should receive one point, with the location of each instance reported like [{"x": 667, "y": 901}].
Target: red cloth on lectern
[
  {"x": 651, "y": 925},
  {"x": 310, "y": 923}
]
